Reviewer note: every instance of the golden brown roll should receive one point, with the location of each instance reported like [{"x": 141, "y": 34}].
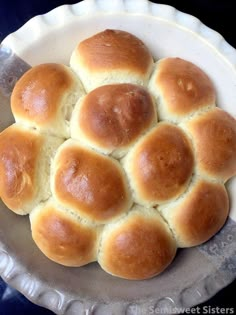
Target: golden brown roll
[
  {"x": 160, "y": 165},
  {"x": 62, "y": 237},
  {"x": 25, "y": 158},
  {"x": 199, "y": 214},
  {"x": 91, "y": 184},
  {"x": 112, "y": 117},
  {"x": 139, "y": 246},
  {"x": 44, "y": 98},
  {"x": 181, "y": 88},
  {"x": 214, "y": 138},
  {"x": 111, "y": 56}
]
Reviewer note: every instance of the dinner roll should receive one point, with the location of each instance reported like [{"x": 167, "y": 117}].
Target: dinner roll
[
  {"x": 62, "y": 237},
  {"x": 214, "y": 138},
  {"x": 112, "y": 56},
  {"x": 160, "y": 165},
  {"x": 112, "y": 117},
  {"x": 199, "y": 214},
  {"x": 25, "y": 156},
  {"x": 180, "y": 88},
  {"x": 44, "y": 98},
  {"x": 91, "y": 184},
  {"x": 139, "y": 246}
]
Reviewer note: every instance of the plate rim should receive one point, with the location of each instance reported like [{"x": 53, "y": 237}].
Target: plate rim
[{"x": 38, "y": 26}]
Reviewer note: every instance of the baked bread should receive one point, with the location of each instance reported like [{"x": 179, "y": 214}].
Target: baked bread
[
  {"x": 160, "y": 165},
  {"x": 25, "y": 158},
  {"x": 213, "y": 137},
  {"x": 111, "y": 56},
  {"x": 124, "y": 189},
  {"x": 199, "y": 213},
  {"x": 44, "y": 98},
  {"x": 112, "y": 117},
  {"x": 63, "y": 236},
  {"x": 89, "y": 183},
  {"x": 181, "y": 89},
  {"x": 138, "y": 246}
]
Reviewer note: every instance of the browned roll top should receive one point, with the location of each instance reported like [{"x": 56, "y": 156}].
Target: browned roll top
[
  {"x": 139, "y": 247},
  {"x": 214, "y": 138},
  {"x": 184, "y": 87},
  {"x": 62, "y": 238},
  {"x": 90, "y": 183},
  {"x": 200, "y": 214},
  {"x": 19, "y": 153},
  {"x": 114, "y": 49},
  {"x": 113, "y": 116},
  {"x": 161, "y": 164},
  {"x": 39, "y": 92}
]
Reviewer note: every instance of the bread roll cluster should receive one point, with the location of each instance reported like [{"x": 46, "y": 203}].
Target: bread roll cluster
[{"x": 117, "y": 158}]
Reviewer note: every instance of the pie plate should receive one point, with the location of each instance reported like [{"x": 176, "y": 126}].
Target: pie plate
[{"x": 196, "y": 273}]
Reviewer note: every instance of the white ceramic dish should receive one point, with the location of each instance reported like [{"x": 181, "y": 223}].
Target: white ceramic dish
[{"x": 197, "y": 273}]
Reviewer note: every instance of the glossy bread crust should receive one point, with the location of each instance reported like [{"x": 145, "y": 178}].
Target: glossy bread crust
[
  {"x": 111, "y": 56},
  {"x": 44, "y": 98},
  {"x": 138, "y": 247},
  {"x": 19, "y": 159},
  {"x": 199, "y": 214},
  {"x": 181, "y": 89},
  {"x": 160, "y": 165},
  {"x": 63, "y": 238},
  {"x": 89, "y": 183},
  {"x": 214, "y": 138},
  {"x": 113, "y": 117}
]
